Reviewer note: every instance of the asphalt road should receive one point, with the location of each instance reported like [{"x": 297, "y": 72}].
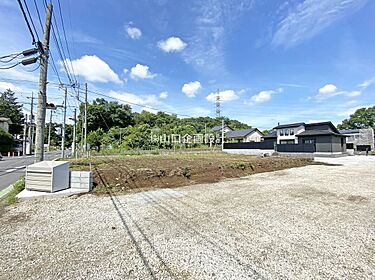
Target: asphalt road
[{"x": 11, "y": 169}]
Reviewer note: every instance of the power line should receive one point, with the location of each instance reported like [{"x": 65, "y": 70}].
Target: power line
[
  {"x": 27, "y": 21},
  {"x": 33, "y": 70},
  {"x": 54, "y": 68},
  {"x": 31, "y": 19},
  {"x": 60, "y": 49},
  {"x": 140, "y": 105},
  {"x": 12, "y": 57},
  {"x": 9, "y": 67},
  {"x": 66, "y": 41}
]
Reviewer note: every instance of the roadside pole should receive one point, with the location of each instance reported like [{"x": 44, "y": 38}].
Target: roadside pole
[
  {"x": 24, "y": 136},
  {"x": 31, "y": 126},
  {"x": 63, "y": 127},
  {"x": 222, "y": 135},
  {"x": 49, "y": 131},
  {"x": 74, "y": 133},
  {"x": 42, "y": 94},
  {"x": 86, "y": 154}
]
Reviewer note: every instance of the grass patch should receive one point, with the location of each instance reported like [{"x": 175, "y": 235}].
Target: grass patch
[{"x": 17, "y": 188}]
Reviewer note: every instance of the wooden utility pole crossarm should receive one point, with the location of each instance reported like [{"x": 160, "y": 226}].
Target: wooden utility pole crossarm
[{"x": 42, "y": 94}]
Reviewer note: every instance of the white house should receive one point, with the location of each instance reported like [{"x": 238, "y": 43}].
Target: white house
[{"x": 245, "y": 135}]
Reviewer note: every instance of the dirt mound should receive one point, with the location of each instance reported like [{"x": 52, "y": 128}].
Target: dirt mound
[{"x": 134, "y": 173}]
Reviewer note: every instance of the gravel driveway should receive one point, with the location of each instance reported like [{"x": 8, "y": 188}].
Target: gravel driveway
[{"x": 313, "y": 222}]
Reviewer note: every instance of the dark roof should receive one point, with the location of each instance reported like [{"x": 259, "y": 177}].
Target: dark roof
[
  {"x": 271, "y": 134},
  {"x": 289, "y": 125},
  {"x": 349, "y": 131},
  {"x": 218, "y": 128},
  {"x": 241, "y": 133},
  {"x": 330, "y": 124},
  {"x": 319, "y": 132}
]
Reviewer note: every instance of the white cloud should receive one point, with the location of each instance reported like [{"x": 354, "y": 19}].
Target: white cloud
[
  {"x": 199, "y": 111},
  {"x": 80, "y": 37},
  {"x": 172, "y": 44},
  {"x": 4, "y": 86},
  {"x": 367, "y": 83},
  {"x": 264, "y": 96},
  {"x": 191, "y": 89},
  {"x": 353, "y": 93},
  {"x": 127, "y": 97},
  {"x": 331, "y": 90},
  {"x": 150, "y": 110},
  {"x": 141, "y": 72},
  {"x": 209, "y": 27},
  {"x": 93, "y": 69},
  {"x": 133, "y": 32},
  {"x": 225, "y": 96},
  {"x": 311, "y": 17},
  {"x": 163, "y": 94},
  {"x": 125, "y": 70},
  {"x": 328, "y": 89}
]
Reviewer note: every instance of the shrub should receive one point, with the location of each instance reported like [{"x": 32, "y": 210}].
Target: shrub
[
  {"x": 17, "y": 188},
  {"x": 186, "y": 172},
  {"x": 6, "y": 141}
]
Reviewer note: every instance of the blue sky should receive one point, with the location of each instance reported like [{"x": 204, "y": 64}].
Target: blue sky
[{"x": 273, "y": 61}]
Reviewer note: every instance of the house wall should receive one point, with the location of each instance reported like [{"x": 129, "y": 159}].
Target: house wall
[
  {"x": 297, "y": 130},
  {"x": 364, "y": 137},
  {"x": 326, "y": 143},
  {"x": 253, "y": 137}
]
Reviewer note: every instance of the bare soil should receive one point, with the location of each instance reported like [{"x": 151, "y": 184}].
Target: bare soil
[{"x": 135, "y": 173}]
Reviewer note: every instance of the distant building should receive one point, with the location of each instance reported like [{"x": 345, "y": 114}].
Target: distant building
[
  {"x": 325, "y": 137},
  {"x": 217, "y": 129},
  {"x": 4, "y": 123},
  {"x": 359, "y": 139},
  {"x": 244, "y": 135}
]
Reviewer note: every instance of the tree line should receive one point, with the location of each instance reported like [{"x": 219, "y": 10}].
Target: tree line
[{"x": 114, "y": 125}]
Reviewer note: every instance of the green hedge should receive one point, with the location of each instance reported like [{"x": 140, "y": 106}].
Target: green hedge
[{"x": 6, "y": 141}]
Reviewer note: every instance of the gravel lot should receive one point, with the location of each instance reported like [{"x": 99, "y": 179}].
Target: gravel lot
[{"x": 312, "y": 222}]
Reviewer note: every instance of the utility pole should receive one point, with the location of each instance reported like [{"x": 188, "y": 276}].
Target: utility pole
[
  {"x": 74, "y": 133},
  {"x": 24, "y": 136},
  {"x": 85, "y": 119},
  {"x": 222, "y": 134},
  {"x": 42, "y": 94},
  {"x": 31, "y": 126},
  {"x": 49, "y": 131},
  {"x": 217, "y": 104},
  {"x": 63, "y": 126}
]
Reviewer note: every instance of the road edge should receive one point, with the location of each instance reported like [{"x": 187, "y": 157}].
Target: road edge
[{"x": 6, "y": 191}]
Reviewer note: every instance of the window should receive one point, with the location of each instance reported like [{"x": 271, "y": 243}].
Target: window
[
  {"x": 281, "y": 132},
  {"x": 291, "y": 131},
  {"x": 286, "y": 132},
  {"x": 308, "y": 141},
  {"x": 283, "y": 142}
]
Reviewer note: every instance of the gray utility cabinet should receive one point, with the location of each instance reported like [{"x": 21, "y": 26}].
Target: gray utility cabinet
[{"x": 47, "y": 176}]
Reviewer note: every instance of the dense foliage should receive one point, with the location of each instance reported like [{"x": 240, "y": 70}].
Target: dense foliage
[
  {"x": 114, "y": 125},
  {"x": 9, "y": 108},
  {"x": 6, "y": 141},
  {"x": 362, "y": 118}
]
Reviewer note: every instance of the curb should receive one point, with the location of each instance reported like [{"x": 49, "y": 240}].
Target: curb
[{"x": 6, "y": 191}]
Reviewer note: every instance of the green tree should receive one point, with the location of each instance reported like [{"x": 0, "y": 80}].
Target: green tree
[
  {"x": 9, "y": 108},
  {"x": 6, "y": 141},
  {"x": 94, "y": 138},
  {"x": 104, "y": 114},
  {"x": 362, "y": 118}
]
